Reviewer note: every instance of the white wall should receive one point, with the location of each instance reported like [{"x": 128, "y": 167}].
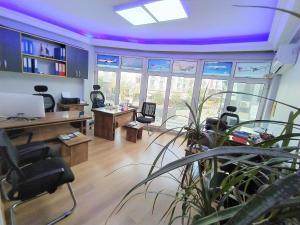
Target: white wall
[
  {"x": 288, "y": 92},
  {"x": 20, "y": 83}
]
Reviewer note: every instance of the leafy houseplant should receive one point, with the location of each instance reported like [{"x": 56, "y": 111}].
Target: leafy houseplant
[{"x": 232, "y": 185}]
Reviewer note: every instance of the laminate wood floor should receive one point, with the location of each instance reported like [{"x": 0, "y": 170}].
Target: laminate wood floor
[{"x": 97, "y": 194}]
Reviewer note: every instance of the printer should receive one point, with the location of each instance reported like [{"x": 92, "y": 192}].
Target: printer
[{"x": 67, "y": 99}]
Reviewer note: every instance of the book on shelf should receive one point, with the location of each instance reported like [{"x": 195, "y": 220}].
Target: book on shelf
[{"x": 60, "y": 53}]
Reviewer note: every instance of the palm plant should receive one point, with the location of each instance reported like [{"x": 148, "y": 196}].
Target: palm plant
[{"x": 232, "y": 185}]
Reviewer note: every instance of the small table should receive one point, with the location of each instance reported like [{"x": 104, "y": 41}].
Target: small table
[
  {"x": 75, "y": 150},
  {"x": 107, "y": 120},
  {"x": 134, "y": 132}
]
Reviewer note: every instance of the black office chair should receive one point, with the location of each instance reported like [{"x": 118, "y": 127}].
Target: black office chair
[
  {"x": 230, "y": 118},
  {"x": 33, "y": 180},
  {"x": 148, "y": 114},
  {"x": 97, "y": 97},
  {"x": 49, "y": 101}
]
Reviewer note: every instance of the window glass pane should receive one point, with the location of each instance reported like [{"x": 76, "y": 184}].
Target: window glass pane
[
  {"x": 217, "y": 68},
  {"x": 132, "y": 63},
  {"x": 252, "y": 70},
  {"x": 107, "y": 81},
  {"x": 184, "y": 67},
  {"x": 159, "y": 65},
  {"x": 247, "y": 106},
  {"x": 108, "y": 61},
  {"x": 181, "y": 92},
  {"x": 156, "y": 92},
  {"x": 130, "y": 86},
  {"x": 214, "y": 105}
]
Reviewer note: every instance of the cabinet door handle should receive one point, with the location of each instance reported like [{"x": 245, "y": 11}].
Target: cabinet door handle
[
  {"x": 76, "y": 73},
  {"x": 5, "y": 63},
  {"x": 79, "y": 74}
]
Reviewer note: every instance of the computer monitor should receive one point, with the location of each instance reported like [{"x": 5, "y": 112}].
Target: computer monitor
[{"x": 21, "y": 105}]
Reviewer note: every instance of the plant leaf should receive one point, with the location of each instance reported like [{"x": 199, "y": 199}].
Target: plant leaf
[{"x": 262, "y": 202}]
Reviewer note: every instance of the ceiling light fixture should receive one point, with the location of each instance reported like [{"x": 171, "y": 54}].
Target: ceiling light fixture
[
  {"x": 151, "y": 11},
  {"x": 136, "y": 16},
  {"x": 167, "y": 10}
]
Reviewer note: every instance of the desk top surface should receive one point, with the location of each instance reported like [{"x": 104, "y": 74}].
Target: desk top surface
[
  {"x": 50, "y": 118},
  {"x": 116, "y": 111}
]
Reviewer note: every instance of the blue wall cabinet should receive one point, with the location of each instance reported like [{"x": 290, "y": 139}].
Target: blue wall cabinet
[
  {"x": 77, "y": 63},
  {"x": 10, "y": 50}
]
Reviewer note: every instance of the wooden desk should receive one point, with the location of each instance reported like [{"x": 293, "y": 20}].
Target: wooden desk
[
  {"x": 106, "y": 121},
  {"x": 49, "y": 127},
  {"x": 71, "y": 107}
]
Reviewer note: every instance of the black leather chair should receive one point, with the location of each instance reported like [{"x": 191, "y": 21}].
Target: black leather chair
[
  {"x": 97, "y": 97},
  {"x": 229, "y": 118},
  {"x": 33, "y": 180},
  {"x": 147, "y": 114},
  {"x": 49, "y": 101}
]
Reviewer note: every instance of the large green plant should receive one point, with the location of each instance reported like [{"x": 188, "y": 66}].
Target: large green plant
[
  {"x": 207, "y": 195},
  {"x": 211, "y": 196}
]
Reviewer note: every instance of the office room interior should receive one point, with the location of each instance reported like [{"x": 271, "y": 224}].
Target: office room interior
[{"x": 145, "y": 112}]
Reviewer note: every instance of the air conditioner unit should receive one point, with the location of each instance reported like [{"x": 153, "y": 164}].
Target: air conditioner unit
[{"x": 285, "y": 58}]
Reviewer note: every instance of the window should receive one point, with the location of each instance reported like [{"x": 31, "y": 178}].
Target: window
[
  {"x": 181, "y": 92},
  {"x": 252, "y": 70},
  {"x": 214, "y": 105},
  {"x": 107, "y": 81},
  {"x": 217, "y": 68},
  {"x": 247, "y": 106},
  {"x": 156, "y": 92},
  {"x": 130, "y": 86}
]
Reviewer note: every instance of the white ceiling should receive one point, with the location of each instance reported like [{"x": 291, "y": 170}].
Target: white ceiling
[{"x": 208, "y": 18}]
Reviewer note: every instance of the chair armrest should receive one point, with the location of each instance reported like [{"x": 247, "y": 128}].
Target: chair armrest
[
  {"x": 57, "y": 173},
  {"x": 22, "y": 133},
  {"x": 33, "y": 148}
]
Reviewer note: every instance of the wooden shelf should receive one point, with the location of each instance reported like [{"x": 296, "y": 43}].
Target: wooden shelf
[
  {"x": 43, "y": 58},
  {"x": 45, "y": 75}
]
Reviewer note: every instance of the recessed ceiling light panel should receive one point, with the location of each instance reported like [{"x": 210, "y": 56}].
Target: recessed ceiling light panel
[
  {"x": 136, "y": 16},
  {"x": 167, "y": 10}
]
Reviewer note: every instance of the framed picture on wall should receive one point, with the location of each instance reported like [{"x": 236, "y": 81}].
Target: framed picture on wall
[
  {"x": 132, "y": 63},
  {"x": 217, "y": 68},
  {"x": 159, "y": 65},
  {"x": 252, "y": 70},
  {"x": 184, "y": 67},
  {"x": 108, "y": 61}
]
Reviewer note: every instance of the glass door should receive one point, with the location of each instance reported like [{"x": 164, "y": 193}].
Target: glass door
[
  {"x": 156, "y": 93},
  {"x": 181, "y": 91},
  {"x": 213, "y": 107},
  {"x": 107, "y": 81},
  {"x": 247, "y": 106},
  {"x": 130, "y": 86}
]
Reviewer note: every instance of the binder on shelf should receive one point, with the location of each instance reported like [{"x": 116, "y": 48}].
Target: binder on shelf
[
  {"x": 63, "y": 66},
  {"x": 27, "y": 46},
  {"x": 56, "y": 68},
  {"x": 60, "y": 53},
  {"x": 35, "y": 68},
  {"x": 25, "y": 64},
  {"x": 30, "y": 47},
  {"x": 29, "y": 63}
]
